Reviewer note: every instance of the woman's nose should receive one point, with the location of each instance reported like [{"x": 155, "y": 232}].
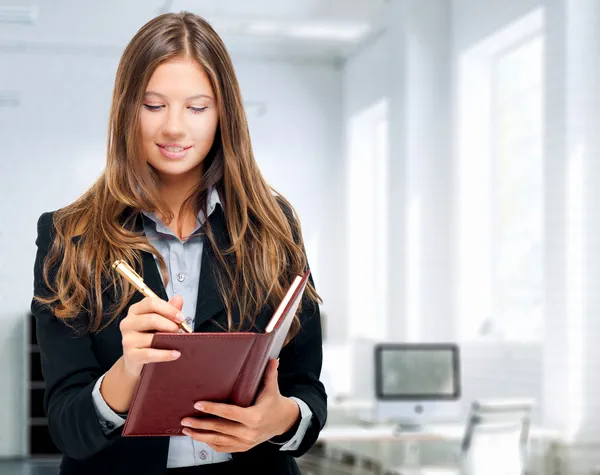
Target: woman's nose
[{"x": 174, "y": 123}]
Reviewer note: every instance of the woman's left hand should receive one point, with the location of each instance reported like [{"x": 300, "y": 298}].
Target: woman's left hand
[{"x": 237, "y": 429}]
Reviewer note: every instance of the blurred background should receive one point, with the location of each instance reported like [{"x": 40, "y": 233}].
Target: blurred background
[{"x": 442, "y": 156}]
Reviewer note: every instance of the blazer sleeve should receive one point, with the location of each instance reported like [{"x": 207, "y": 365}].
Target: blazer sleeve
[
  {"x": 300, "y": 363},
  {"x": 69, "y": 367}
]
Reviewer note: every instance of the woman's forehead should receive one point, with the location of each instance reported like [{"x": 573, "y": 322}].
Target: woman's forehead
[{"x": 181, "y": 79}]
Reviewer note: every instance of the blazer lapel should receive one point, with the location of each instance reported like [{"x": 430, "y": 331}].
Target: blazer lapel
[
  {"x": 151, "y": 272},
  {"x": 152, "y": 276},
  {"x": 209, "y": 299}
]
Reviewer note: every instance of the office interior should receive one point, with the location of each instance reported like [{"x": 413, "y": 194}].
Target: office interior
[{"x": 442, "y": 156}]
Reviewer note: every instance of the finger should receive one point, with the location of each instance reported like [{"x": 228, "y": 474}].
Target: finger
[
  {"x": 152, "y": 355},
  {"x": 137, "y": 340},
  {"x": 271, "y": 374},
  {"x": 270, "y": 384},
  {"x": 227, "y": 411},
  {"x": 160, "y": 306},
  {"x": 218, "y": 425},
  {"x": 149, "y": 322},
  {"x": 157, "y": 322},
  {"x": 177, "y": 301}
]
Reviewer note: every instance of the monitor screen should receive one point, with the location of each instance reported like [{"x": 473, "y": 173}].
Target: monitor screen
[{"x": 417, "y": 371}]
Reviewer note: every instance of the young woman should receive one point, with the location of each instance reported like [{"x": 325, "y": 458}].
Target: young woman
[{"x": 183, "y": 201}]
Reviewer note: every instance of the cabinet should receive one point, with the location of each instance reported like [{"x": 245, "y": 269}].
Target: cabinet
[{"x": 39, "y": 441}]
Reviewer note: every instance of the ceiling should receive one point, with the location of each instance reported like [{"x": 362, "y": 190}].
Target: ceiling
[{"x": 322, "y": 29}]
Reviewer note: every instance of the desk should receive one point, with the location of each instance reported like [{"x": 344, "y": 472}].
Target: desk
[
  {"x": 391, "y": 447},
  {"x": 441, "y": 432}
]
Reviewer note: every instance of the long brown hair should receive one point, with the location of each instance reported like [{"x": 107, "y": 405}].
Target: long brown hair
[{"x": 266, "y": 242}]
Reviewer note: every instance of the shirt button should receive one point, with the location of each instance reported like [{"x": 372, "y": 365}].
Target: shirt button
[
  {"x": 188, "y": 320},
  {"x": 181, "y": 277},
  {"x": 203, "y": 454}
]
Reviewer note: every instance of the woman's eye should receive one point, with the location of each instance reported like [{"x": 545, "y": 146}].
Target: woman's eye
[
  {"x": 195, "y": 110},
  {"x": 152, "y": 108}
]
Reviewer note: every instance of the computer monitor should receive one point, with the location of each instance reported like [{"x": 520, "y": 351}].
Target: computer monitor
[{"x": 417, "y": 383}]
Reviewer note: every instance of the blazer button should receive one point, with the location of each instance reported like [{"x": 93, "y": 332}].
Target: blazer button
[{"x": 109, "y": 425}]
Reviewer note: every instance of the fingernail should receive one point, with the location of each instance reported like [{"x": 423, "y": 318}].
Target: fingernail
[
  {"x": 185, "y": 423},
  {"x": 175, "y": 354},
  {"x": 180, "y": 316},
  {"x": 199, "y": 406}
]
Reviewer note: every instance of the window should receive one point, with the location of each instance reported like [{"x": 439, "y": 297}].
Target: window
[
  {"x": 517, "y": 190},
  {"x": 501, "y": 189},
  {"x": 367, "y": 230}
]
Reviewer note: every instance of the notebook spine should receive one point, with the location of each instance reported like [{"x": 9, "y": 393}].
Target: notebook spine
[
  {"x": 250, "y": 377},
  {"x": 241, "y": 373}
]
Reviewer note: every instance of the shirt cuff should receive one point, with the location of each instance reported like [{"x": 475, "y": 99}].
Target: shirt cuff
[
  {"x": 109, "y": 419},
  {"x": 304, "y": 424}
]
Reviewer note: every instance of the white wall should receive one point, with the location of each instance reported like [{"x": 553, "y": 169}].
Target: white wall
[
  {"x": 53, "y": 147},
  {"x": 410, "y": 66},
  {"x": 571, "y": 356},
  {"x": 362, "y": 89},
  {"x": 474, "y": 20},
  {"x": 496, "y": 369},
  {"x": 366, "y": 78}
]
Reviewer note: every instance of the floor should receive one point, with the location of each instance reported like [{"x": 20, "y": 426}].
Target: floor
[
  {"x": 29, "y": 467},
  {"x": 309, "y": 465}
]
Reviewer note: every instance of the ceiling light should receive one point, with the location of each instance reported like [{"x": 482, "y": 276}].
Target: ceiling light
[
  {"x": 264, "y": 28},
  {"x": 308, "y": 30},
  {"x": 329, "y": 31}
]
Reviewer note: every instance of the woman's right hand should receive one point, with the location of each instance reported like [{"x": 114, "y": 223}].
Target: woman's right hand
[{"x": 144, "y": 318}]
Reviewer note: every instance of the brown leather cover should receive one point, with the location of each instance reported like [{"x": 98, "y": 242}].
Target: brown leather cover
[{"x": 218, "y": 367}]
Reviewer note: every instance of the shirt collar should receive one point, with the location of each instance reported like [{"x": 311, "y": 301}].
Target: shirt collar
[{"x": 160, "y": 226}]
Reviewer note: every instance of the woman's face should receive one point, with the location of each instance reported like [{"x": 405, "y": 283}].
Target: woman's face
[{"x": 178, "y": 119}]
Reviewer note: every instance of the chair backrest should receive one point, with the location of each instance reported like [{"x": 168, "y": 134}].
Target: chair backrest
[{"x": 496, "y": 437}]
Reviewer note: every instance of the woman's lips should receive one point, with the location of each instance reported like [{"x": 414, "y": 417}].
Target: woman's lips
[{"x": 173, "y": 152}]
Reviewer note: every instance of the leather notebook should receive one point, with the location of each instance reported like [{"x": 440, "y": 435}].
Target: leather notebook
[{"x": 217, "y": 367}]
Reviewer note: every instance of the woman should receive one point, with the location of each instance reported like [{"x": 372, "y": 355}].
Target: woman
[{"x": 183, "y": 201}]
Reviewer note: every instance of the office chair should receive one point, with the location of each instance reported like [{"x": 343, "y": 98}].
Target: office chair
[{"x": 495, "y": 441}]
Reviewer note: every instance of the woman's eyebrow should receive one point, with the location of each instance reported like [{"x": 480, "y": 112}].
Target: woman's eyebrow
[{"x": 197, "y": 96}]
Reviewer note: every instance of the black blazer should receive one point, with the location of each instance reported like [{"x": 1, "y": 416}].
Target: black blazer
[{"x": 72, "y": 363}]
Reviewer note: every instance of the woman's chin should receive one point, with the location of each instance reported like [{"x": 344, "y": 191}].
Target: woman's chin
[{"x": 172, "y": 169}]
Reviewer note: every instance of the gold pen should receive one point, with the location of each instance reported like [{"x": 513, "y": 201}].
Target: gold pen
[{"x": 126, "y": 271}]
